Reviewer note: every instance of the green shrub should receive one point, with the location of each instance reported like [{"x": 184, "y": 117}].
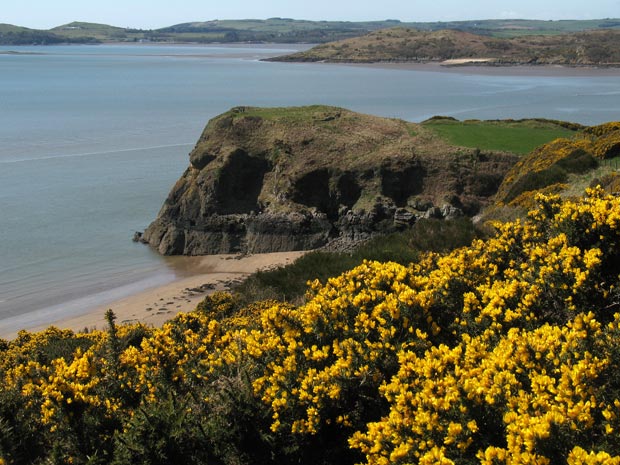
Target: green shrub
[{"x": 578, "y": 161}]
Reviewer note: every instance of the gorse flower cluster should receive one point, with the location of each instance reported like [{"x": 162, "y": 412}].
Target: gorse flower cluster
[{"x": 503, "y": 352}]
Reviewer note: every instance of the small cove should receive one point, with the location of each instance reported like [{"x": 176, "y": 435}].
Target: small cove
[{"x": 93, "y": 137}]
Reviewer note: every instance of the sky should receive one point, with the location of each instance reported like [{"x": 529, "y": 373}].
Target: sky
[{"x": 152, "y": 14}]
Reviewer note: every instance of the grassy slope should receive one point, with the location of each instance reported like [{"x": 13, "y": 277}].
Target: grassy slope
[
  {"x": 578, "y": 183},
  {"x": 5, "y": 28},
  {"x": 564, "y": 166},
  {"x": 15, "y": 35},
  {"x": 330, "y": 128},
  {"x": 101, "y": 32},
  {"x": 510, "y": 136}
]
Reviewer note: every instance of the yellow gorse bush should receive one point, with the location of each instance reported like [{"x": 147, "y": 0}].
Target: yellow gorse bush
[
  {"x": 503, "y": 352},
  {"x": 548, "y": 166}
]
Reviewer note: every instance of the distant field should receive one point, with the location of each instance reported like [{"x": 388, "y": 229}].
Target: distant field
[{"x": 510, "y": 136}]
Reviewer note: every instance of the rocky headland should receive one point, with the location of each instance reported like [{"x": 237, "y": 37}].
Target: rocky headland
[
  {"x": 456, "y": 47},
  {"x": 280, "y": 179}
]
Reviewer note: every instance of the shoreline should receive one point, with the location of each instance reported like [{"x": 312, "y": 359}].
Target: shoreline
[
  {"x": 489, "y": 69},
  {"x": 196, "y": 277},
  {"x": 479, "y": 66},
  {"x": 476, "y": 66}
]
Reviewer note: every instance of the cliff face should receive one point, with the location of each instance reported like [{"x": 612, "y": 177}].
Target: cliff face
[{"x": 278, "y": 179}]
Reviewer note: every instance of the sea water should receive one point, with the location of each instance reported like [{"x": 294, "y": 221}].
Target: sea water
[{"x": 93, "y": 137}]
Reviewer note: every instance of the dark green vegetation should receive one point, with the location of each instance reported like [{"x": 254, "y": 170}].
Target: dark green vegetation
[
  {"x": 401, "y": 44},
  {"x": 281, "y": 30},
  {"x": 520, "y": 136},
  {"x": 98, "y": 32},
  {"x": 13, "y": 35},
  {"x": 289, "y": 283}
]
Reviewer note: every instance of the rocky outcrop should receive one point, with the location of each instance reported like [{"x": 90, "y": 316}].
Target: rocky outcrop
[{"x": 264, "y": 180}]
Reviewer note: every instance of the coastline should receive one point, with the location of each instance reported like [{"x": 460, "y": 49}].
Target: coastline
[
  {"x": 484, "y": 70},
  {"x": 196, "y": 277}
]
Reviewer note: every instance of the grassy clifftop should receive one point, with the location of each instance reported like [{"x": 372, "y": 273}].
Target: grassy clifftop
[{"x": 514, "y": 136}]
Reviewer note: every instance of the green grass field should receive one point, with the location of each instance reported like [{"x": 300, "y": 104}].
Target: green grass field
[{"x": 519, "y": 137}]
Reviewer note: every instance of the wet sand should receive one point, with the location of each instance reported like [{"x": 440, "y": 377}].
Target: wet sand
[{"x": 197, "y": 277}]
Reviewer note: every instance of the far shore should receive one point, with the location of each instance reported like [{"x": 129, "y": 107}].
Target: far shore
[
  {"x": 196, "y": 278},
  {"x": 467, "y": 66}
]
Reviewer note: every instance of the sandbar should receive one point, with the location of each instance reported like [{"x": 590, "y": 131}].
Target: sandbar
[{"x": 484, "y": 68}]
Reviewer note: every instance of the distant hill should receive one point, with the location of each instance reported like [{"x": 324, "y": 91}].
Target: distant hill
[
  {"x": 15, "y": 35},
  {"x": 284, "y": 30},
  {"x": 279, "y": 30},
  {"x": 518, "y": 27},
  {"x": 101, "y": 32},
  {"x": 400, "y": 44}
]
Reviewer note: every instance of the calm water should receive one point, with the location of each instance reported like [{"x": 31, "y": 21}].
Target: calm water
[{"x": 93, "y": 137}]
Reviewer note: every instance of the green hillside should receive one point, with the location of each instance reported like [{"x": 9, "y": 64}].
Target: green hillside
[
  {"x": 103, "y": 32},
  {"x": 15, "y": 35},
  {"x": 286, "y": 30},
  {"x": 519, "y": 27}
]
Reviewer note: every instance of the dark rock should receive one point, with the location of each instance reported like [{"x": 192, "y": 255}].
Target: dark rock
[
  {"x": 433, "y": 212},
  {"x": 450, "y": 212},
  {"x": 404, "y": 217}
]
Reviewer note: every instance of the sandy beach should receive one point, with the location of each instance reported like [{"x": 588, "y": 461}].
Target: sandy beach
[{"x": 196, "y": 277}]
